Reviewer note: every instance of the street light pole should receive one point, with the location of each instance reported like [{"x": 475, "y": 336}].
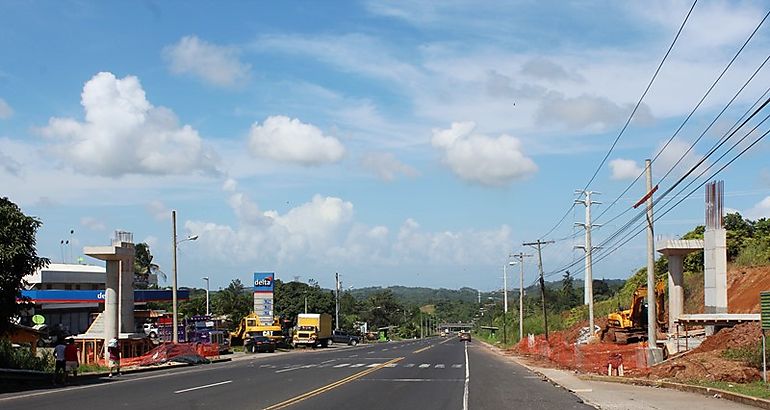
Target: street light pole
[
  {"x": 174, "y": 298},
  {"x": 207, "y": 295},
  {"x": 174, "y": 319}
]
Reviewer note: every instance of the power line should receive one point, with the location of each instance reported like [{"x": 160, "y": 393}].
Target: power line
[{"x": 631, "y": 116}]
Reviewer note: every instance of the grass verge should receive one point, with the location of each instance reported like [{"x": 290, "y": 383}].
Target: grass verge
[{"x": 755, "y": 389}]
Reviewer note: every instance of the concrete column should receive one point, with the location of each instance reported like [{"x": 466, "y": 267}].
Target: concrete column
[
  {"x": 715, "y": 271},
  {"x": 111, "y": 303},
  {"x": 127, "y": 293},
  {"x": 675, "y": 289}
]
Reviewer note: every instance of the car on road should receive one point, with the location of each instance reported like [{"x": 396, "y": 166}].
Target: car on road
[
  {"x": 258, "y": 344},
  {"x": 465, "y": 336},
  {"x": 341, "y": 336}
]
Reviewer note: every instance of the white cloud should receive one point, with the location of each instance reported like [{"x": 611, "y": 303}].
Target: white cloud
[
  {"x": 677, "y": 151},
  {"x": 759, "y": 210},
  {"x": 230, "y": 185},
  {"x": 307, "y": 231},
  {"x": 124, "y": 134},
  {"x": 544, "y": 68},
  {"x": 289, "y": 140},
  {"x": 218, "y": 65},
  {"x": 734, "y": 20},
  {"x": 9, "y": 165},
  {"x": 588, "y": 112},
  {"x": 92, "y": 223},
  {"x": 324, "y": 229},
  {"x": 482, "y": 159},
  {"x": 5, "y": 110},
  {"x": 158, "y": 210},
  {"x": 625, "y": 169},
  {"x": 353, "y": 53},
  {"x": 386, "y": 166}
]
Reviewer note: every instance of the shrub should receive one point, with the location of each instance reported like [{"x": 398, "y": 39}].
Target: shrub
[{"x": 22, "y": 358}]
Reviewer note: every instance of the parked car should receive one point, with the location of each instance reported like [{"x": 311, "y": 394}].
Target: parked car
[
  {"x": 341, "y": 336},
  {"x": 150, "y": 329},
  {"x": 258, "y": 344},
  {"x": 465, "y": 336}
]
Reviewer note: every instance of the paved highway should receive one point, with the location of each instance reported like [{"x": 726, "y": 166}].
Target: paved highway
[{"x": 421, "y": 374}]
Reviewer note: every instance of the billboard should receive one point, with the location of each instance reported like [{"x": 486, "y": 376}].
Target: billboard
[{"x": 264, "y": 283}]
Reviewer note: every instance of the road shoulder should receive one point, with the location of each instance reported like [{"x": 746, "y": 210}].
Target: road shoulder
[{"x": 608, "y": 394}]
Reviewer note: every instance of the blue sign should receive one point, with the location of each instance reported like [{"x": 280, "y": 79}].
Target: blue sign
[
  {"x": 264, "y": 282},
  {"x": 97, "y": 296}
]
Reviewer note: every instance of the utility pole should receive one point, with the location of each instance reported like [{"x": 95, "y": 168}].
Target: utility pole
[
  {"x": 337, "y": 300},
  {"x": 421, "y": 324},
  {"x": 505, "y": 287},
  {"x": 542, "y": 281},
  {"x": 655, "y": 355},
  {"x": 521, "y": 257},
  {"x": 174, "y": 319},
  {"x": 588, "y": 297}
]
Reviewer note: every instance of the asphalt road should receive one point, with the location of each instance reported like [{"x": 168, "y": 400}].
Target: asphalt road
[{"x": 421, "y": 374}]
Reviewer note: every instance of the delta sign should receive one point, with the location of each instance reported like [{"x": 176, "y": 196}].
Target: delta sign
[{"x": 264, "y": 284}]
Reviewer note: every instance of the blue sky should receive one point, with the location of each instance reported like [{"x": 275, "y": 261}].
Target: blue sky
[{"x": 408, "y": 143}]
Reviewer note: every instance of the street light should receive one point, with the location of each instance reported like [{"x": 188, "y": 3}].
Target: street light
[
  {"x": 505, "y": 285},
  {"x": 206, "y": 278},
  {"x": 174, "y": 301}
]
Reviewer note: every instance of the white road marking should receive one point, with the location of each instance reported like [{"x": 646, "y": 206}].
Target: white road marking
[
  {"x": 203, "y": 387},
  {"x": 329, "y": 361},
  {"x": 358, "y": 365},
  {"x": 424, "y": 365},
  {"x": 375, "y": 364},
  {"x": 409, "y": 365},
  {"x": 342, "y": 365},
  {"x": 390, "y": 365},
  {"x": 457, "y": 365},
  {"x": 439, "y": 366},
  {"x": 467, "y": 379}
]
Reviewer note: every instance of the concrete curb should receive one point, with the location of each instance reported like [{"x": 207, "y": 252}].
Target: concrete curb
[{"x": 690, "y": 388}]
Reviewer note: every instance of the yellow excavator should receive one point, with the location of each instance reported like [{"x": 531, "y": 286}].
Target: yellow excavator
[
  {"x": 630, "y": 325},
  {"x": 251, "y": 326}
]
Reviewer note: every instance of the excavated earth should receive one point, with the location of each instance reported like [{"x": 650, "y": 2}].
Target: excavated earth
[{"x": 707, "y": 361}]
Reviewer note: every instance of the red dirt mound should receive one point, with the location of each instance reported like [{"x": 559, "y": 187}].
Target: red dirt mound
[{"x": 742, "y": 335}]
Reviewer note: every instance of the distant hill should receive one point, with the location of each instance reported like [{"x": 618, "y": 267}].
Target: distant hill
[
  {"x": 420, "y": 295},
  {"x": 425, "y": 296}
]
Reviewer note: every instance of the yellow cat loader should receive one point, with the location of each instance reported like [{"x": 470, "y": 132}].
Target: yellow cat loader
[
  {"x": 630, "y": 325},
  {"x": 250, "y": 326}
]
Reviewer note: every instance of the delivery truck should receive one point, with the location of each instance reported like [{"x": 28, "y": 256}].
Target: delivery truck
[{"x": 313, "y": 329}]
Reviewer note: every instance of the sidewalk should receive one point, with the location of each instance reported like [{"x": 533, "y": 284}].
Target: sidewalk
[{"x": 620, "y": 396}]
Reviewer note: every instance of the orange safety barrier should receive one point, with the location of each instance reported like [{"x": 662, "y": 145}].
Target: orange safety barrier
[{"x": 593, "y": 358}]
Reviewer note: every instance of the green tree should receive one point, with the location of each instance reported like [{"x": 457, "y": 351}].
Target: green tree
[
  {"x": 143, "y": 266},
  {"x": 18, "y": 257},
  {"x": 194, "y": 306},
  {"x": 568, "y": 298},
  {"x": 233, "y": 301}
]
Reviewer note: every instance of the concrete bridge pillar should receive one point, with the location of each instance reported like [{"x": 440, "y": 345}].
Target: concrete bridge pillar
[{"x": 119, "y": 292}]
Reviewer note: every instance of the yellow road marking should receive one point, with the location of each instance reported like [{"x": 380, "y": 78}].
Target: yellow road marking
[
  {"x": 329, "y": 386},
  {"x": 423, "y": 349}
]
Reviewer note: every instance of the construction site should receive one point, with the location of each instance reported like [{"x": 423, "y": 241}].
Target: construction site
[{"x": 707, "y": 324}]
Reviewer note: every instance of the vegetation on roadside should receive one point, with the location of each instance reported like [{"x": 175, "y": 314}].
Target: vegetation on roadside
[
  {"x": 18, "y": 257},
  {"x": 756, "y": 389},
  {"x": 22, "y": 358},
  {"x": 751, "y": 355}
]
